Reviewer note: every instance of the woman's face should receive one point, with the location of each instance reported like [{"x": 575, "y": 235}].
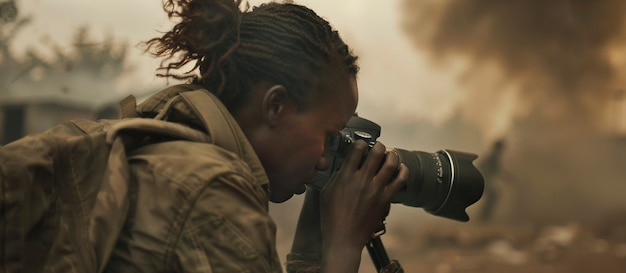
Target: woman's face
[{"x": 296, "y": 149}]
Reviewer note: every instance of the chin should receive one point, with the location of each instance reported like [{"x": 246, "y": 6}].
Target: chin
[{"x": 279, "y": 198}]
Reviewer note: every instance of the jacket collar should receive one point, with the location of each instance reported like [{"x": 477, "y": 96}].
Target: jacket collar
[{"x": 180, "y": 112}]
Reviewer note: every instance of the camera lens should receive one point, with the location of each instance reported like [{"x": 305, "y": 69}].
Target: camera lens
[{"x": 443, "y": 183}]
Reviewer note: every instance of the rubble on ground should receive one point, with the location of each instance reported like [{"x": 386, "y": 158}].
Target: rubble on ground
[{"x": 556, "y": 248}]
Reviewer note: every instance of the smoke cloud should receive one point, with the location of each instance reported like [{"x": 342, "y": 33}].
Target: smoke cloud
[{"x": 539, "y": 74}]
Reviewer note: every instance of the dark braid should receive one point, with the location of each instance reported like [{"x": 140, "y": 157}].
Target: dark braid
[{"x": 284, "y": 44}]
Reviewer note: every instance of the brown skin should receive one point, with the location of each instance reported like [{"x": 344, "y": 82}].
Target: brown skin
[
  {"x": 291, "y": 141},
  {"x": 291, "y": 144},
  {"x": 348, "y": 210}
]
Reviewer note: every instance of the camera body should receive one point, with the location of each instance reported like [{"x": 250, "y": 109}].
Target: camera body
[{"x": 443, "y": 183}]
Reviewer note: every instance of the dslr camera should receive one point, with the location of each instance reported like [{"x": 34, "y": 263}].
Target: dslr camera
[{"x": 443, "y": 183}]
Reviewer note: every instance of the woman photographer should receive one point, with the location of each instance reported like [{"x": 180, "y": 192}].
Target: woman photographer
[{"x": 289, "y": 81}]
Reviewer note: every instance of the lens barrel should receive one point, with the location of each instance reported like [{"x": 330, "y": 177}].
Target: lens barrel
[{"x": 443, "y": 183}]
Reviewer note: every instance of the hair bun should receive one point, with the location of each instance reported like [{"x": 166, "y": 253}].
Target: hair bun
[{"x": 205, "y": 30}]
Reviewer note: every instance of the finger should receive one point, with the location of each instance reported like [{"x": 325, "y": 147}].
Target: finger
[
  {"x": 387, "y": 210},
  {"x": 353, "y": 160},
  {"x": 398, "y": 182},
  {"x": 388, "y": 169},
  {"x": 374, "y": 158}
]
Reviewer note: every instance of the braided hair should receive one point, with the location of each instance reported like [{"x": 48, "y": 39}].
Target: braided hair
[{"x": 232, "y": 47}]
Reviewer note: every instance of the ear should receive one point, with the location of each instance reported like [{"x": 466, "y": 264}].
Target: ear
[{"x": 274, "y": 103}]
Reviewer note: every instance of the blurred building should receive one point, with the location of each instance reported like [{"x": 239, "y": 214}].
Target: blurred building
[{"x": 34, "y": 112}]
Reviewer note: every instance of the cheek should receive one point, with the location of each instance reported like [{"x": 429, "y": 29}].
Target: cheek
[
  {"x": 303, "y": 141},
  {"x": 308, "y": 153}
]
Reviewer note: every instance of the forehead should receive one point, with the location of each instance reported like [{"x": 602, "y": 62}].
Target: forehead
[{"x": 338, "y": 100}]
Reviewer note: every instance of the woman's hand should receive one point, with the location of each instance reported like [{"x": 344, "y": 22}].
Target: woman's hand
[{"x": 354, "y": 203}]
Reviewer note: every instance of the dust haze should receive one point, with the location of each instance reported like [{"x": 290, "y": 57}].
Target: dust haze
[{"x": 545, "y": 77}]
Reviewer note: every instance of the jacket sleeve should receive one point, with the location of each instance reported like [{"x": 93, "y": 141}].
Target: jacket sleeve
[
  {"x": 196, "y": 209},
  {"x": 229, "y": 230}
]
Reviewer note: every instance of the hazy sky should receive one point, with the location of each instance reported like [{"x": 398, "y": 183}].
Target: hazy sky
[{"x": 394, "y": 80}]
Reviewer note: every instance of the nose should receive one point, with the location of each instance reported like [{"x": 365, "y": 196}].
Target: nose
[{"x": 323, "y": 163}]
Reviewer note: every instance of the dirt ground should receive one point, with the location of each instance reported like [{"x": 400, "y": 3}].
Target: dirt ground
[
  {"x": 570, "y": 248},
  {"x": 432, "y": 244}
]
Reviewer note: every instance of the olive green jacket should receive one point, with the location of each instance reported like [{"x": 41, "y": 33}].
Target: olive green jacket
[{"x": 176, "y": 196}]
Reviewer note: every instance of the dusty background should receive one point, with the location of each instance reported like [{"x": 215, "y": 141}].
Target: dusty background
[
  {"x": 425, "y": 243},
  {"x": 546, "y": 77}
]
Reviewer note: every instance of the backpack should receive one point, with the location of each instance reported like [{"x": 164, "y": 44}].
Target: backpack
[{"x": 50, "y": 182}]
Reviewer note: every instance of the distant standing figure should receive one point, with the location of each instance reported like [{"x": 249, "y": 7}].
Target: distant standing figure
[{"x": 491, "y": 170}]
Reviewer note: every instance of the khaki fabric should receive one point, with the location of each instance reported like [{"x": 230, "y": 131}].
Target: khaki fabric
[
  {"x": 204, "y": 208},
  {"x": 64, "y": 198},
  {"x": 126, "y": 196},
  {"x": 196, "y": 211}
]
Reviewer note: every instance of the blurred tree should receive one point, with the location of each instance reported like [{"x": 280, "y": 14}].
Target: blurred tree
[
  {"x": 57, "y": 80},
  {"x": 8, "y": 11},
  {"x": 87, "y": 70},
  {"x": 10, "y": 24}
]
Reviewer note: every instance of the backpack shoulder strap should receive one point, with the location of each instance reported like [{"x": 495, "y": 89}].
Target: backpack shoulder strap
[
  {"x": 205, "y": 105},
  {"x": 221, "y": 130},
  {"x": 156, "y": 127},
  {"x": 128, "y": 107}
]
